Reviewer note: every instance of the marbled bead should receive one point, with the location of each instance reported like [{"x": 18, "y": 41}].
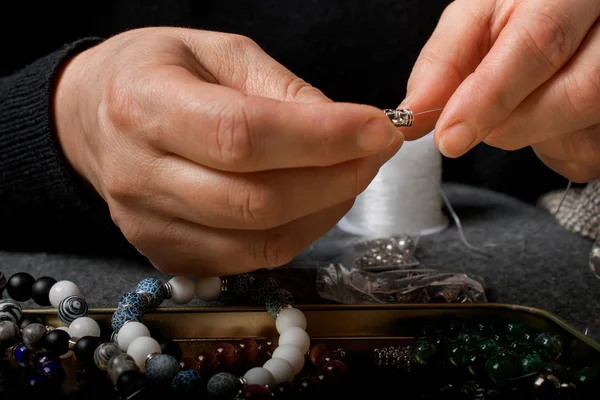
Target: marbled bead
[
  {"x": 261, "y": 288},
  {"x": 162, "y": 368},
  {"x": 104, "y": 353},
  {"x": 22, "y": 355},
  {"x": 9, "y": 333},
  {"x": 223, "y": 385},
  {"x": 33, "y": 336},
  {"x": 71, "y": 308},
  {"x": 135, "y": 300},
  {"x": 239, "y": 285},
  {"x": 278, "y": 299},
  {"x": 123, "y": 315},
  {"x": 2, "y": 283},
  {"x": 154, "y": 288},
  {"x": 10, "y": 310},
  {"x": 186, "y": 380},
  {"x": 119, "y": 364}
]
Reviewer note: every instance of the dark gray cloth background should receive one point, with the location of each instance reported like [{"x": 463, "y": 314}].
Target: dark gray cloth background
[{"x": 546, "y": 268}]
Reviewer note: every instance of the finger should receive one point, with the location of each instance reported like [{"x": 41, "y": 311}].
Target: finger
[
  {"x": 194, "y": 250},
  {"x": 574, "y": 171},
  {"x": 220, "y": 128},
  {"x": 582, "y": 147},
  {"x": 259, "y": 200},
  {"x": 568, "y": 102},
  {"x": 450, "y": 55},
  {"x": 538, "y": 39}
]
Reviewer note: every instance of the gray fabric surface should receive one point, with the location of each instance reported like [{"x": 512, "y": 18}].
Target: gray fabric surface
[{"x": 535, "y": 262}]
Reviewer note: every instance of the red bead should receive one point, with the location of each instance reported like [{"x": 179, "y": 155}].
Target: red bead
[
  {"x": 334, "y": 370},
  {"x": 256, "y": 392},
  {"x": 188, "y": 363},
  {"x": 269, "y": 345},
  {"x": 206, "y": 362},
  {"x": 226, "y": 354},
  {"x": 308, "y": 385},
  {"x": 248, "y": 351},
  {"x": 283, "y": 390},
  {"x": 316, "y": 354}
]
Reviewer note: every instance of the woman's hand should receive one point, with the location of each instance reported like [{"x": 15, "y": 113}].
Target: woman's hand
[
  {"x": 212, "y": 157},
  {"x": 514, "y": 74}
]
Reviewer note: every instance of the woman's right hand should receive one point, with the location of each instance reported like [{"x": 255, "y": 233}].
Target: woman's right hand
[{"x": 213, "y": 158}]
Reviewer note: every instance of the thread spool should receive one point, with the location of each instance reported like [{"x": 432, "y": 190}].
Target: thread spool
[{"x": 404, "y": 197}]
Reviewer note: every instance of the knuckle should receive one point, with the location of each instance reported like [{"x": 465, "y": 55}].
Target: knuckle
[
  {"x": 262, "y": 206},
  {"x": 239, "y": 43},
  {"x": 294, "y": 87},
  {"x": 546, "y": 35},
  {"x": 117, "y": 107},
  {"x": 582, "y": 95},
  {"x": 278, "y": 247},
  {"x": 583, "y": 148},
  {"x": 579, "y": 174},
  {"x": 503, "y": 138},
  {"x": 232, "y": 139}
]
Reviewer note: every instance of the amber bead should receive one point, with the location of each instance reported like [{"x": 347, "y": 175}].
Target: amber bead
[
  {"x": 188, "y": 363},
  {"x": 317, "y": 354},
  {"x": 269, "y": 345},
  {"x": 308, "y": 386},
  {"x": 226, "y": 354},
  {"x": 334, "y": 370},
  {"x": 256, "y": 392},
  {"x": 248, "y": 351},
  {"x": 206, "y": 362}
]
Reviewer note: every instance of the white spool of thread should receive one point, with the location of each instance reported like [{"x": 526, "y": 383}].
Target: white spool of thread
[{"x": 404, "y": 197}]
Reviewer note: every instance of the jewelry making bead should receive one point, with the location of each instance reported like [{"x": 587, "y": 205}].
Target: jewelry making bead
[
  {"x": 457, "y": 351},
  {"x": 281, "y": 370},
  {"x": 57, "y": 342},
  {"x": 29, "y": 319},
  {"x": 128, "y": 383},
  {"x": 71, "y": 308},
  {"x": 296, "y": 337},
  {"x": 10, "y": 310},
  {"x": 530, "y": 362},
  {"x": 292, "y": 355},
  {"x": 141, "y": 348},
  {"x": 85, "y": 349},
  {"x": 84, "y": 326},
  {"x": 69, "y": 353},
  {"x": 515, "y": 328},
  {"x": 61, "y": 290},
  {"x": 334, "y": 370},
  {"x": 269, "y": 345},
  {"x": 308, "y": 386},
  {"x": 104, "y": 353},
  {"x": 502, "y": 368},
  {"x": 223, "y": 385},
  {"x": 181, "y": 290},
  {"x": 476, "y": 359},
  {"x": 162, "y": 368},
  {"x": 551, "y": 343},
  {"x": 41, "y": 359},
  {"x": 171, "y": 348},
  {"x": 22, "y": 355},
  {"x": 33, "y": 336},
  {"x": 256, "y": 392},
  {"x": 261, "y": 288},
  {"x": 278, "y": 299},
  {"x": 123, "y": 315},
  {"x": 40, "y": 291},
  {"x": 19, "y": 286},
  {"x": 186, "y": 381},
  {"x": 587, "y": 376},
  {"x": 206, "y": 362},
  {"x": 119, "y": 364},
  {"x": 54, "y": 372},
  {"x": 129, "y": 332},
  {"x": 423, "y": 352},
  {"x": 154, "y": 288},
  {"x": 9, "y": 334},
  {"x": 225, "y": 354},
  {"x": 2, "y": 283},
  {"x": 238, "y": 286},
  {"x": 288, "y": 317},
  {"x": 135, "y": 300},
  {"x": 248, "y": 351},
  {"x": 259, "y": 376},
  {"x": 208, "y": 289}
]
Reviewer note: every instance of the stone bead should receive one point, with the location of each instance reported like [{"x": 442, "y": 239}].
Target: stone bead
[
  {"x": 288, "y": 317},
  {"x": 141, "y": 348},
  {"x": 84, "y": 326},
  {"x": 129, "y": 332},
  {"x": 308, "y": 386},
  {"x": 181, "y": 289},
  {"x": 256, "y": 392},
  {"x": 22, "y": 355},
  {"x": 551, "y": 343},
  {"x": 10, "y": 310},
  {"x": 297, "y": 337},
  {"x": 248, "y": 351},
  {"x": 502, "y": 368},
  {"x": 259, "y": 376},
  {"x": 269, "y": 345},
  {"x": 85, "y": 349},
  {"x": 587, "y": 376},
  {"x": 19, "y": 286},
  {"x": 225, "y": 354},
  {"x": 69, "y": 353},
  {"x": 261, "y": 288},
  {"x": 29, "y": 319},
  {"x": 334, "y": 370},
  {"x": 43, "y": 358},
  {"x": 469, "y": 336},
  {"x": 291, "y": 354},
  {"x": 57, "y": 342},
  {"x": 129, "y": 384},
  {"x": 119, "y": 364},
  {"x": 2, "y": 283},
  {"x": 135, "y": 300},
  {"x": 171, "y": 348},
  {"x": 104, "y": 353},
  {"x": 423, "y": 352},
  {"x": 61, "y": 290},
  {"x": 223, "y": 385},
  {"x": 40, "y": 291},
  {"x": 54, "y": 372},
  {"x": 458, "y": 349},
  {"x": 530, "y": 362},
  {"x": 238, "y": 286},
  {"x": 281, "y": 370},
  {"x": 71, "y": 308},
  {"x": 186, "y": 381},
  {"x": 123, "y": 315},
  {"x": 515, "y": 327},
  {"x": 278, "y": 299},
  {"x": 208, "y": 289},
  {"x": 154, "y": 288},
  {"x": 206, "y": 362},
  {"x": 487, "y": 345},
  {"x": 9, "y": 334},
  {"x": 33, "y": 336},
  {"x": 162, "y": 368}
]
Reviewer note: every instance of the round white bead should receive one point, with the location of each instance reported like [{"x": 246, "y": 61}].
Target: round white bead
[
  {"x": 296, "y": 337},
  {"x": 129, "y": 332},
  {"x": 182, "y": 289},
  {"x": 292, "y": 355},
  {"x": 259, "y": 376},
  {"x": 84, "y": 326},
  {"x": 61, "y": 290},
  {"x": 68, "y": 353},
  {"x": 281, "y": 370},
  {"x": 141, "y": 348},
  {"x": 208, "y": 289},
  {"x": 289, "y": 317}
]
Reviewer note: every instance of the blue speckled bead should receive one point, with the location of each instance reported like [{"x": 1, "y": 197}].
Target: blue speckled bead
[
  {"x": 223, "y": 385},
  {"x": 186, "y": 380},
  {"x": 123, "y": 315},
  {"x": 277, "y": 300},
  {"x": 22, "y": 355},
  {"x": 162, "y": 368},
  {"x": 261, "y": 288},
  {"x": 238, "y": 286},
  {"x": 135, "y": 300},
  {"x": 155, "y": 288}
]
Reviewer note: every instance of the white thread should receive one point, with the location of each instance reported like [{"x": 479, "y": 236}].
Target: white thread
[{"x": 402, "y": 199}]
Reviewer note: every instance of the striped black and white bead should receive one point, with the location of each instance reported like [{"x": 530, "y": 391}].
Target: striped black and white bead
[
  {"x": 10, "y": 310},
  {"x": 71, "y": 308}
]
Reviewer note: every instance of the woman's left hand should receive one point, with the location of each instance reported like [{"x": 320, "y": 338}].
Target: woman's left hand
[{"x": 514, "y": 74}]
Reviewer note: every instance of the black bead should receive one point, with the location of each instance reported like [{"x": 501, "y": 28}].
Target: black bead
[
  {"x": 30, "y": 319},
  {"x": 171, "y": 348},
  {"x": 40, "y": 292},
  {"x": 130, "y": 382},
  {"x": 85, "y": 348},
  {"x": 57, "y": 342},
  {"x": 19, "y": 286}
]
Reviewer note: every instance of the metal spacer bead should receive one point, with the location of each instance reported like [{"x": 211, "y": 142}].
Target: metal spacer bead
[
  {"x": 243, "y": 381},
  {"x": 147, "y": 297},
  {"x": 168, "y": 289},
  {"x": 72, "y": 343},
  {"x": 224, "y": 285},
  {"x": 149, "y": 357},
  {"x": 400, "y": 117}
]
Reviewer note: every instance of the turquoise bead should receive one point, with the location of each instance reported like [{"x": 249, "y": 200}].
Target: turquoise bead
[
  {"x": 423, "y": 352},
  {"x": 530, "y": 362},
  {"x": 551, "y": 343},
  {"x": 501, "y": 368},
  {"x": 154, "y": 288}
]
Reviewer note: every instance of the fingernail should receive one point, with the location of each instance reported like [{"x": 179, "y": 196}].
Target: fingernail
[
  {"x": 457, "y": 139},
  {"x": 377, "y": 135}
]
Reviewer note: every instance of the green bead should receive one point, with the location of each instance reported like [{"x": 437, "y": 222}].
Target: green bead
[
  {"x": 475, "y": 361},
  {"x": 423, "y": 352},
  {"x": 506, "y": 351},
  {"x": 587, "y": 376},
  {"x": 487, "y": 345},
  {"x": 550, "y": 342},
  {"x": 515, "y": 328},
  {"x": 501, "y": 368},
  {"x": 529, "y": 336},
  {"x": 458, "y": 349},
  {"x": 469, "y": 336},
  {"x": 530, "y": 362}
]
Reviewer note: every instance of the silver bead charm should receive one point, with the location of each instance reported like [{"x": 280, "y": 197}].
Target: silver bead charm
[{"x": 400, "y": 117}]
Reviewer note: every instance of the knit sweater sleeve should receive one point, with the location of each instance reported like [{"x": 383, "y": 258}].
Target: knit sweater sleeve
[{"x": 44, "y": 206}]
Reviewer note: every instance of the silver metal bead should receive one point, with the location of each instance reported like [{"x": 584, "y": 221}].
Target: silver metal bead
[
  {"x": 400, "y": 117},
  {"x": 168, "y": 290}
]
